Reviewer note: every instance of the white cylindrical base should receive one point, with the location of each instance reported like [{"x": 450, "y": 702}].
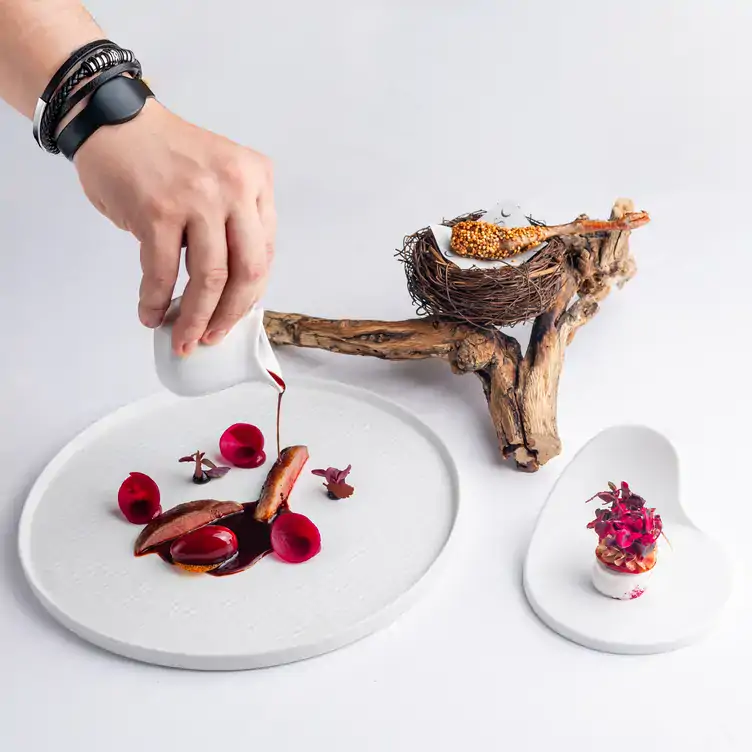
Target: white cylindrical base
[{"x": 619, "y": 585}]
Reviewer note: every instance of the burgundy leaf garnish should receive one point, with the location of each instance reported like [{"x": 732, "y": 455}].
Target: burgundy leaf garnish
[
  {"x": 335, "y": 482},
  {"x": 199, "y": 474},
  {"x": 626, "y": 527}
]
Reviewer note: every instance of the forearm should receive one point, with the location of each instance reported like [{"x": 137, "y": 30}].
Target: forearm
[{"x": 36, "y": 37}]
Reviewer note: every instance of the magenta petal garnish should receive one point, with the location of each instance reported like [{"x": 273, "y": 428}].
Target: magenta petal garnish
[
  {"x": 242, "y": 445},
  {"x": 627, "y": 528},
  {"x": 295, "y": 538},
  {"x": 623, "y": 539},
  {"x": 138, "y": 499}
]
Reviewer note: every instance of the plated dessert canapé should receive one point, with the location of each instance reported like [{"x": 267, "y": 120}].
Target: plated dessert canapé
[{"x": 627, "y": 551}]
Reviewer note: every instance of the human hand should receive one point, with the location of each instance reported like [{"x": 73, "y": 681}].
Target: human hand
[{"x": 165, "y": 180}]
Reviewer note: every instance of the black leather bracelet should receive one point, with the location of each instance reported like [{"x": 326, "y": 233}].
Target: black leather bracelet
[
  {"x": 101, "y": 60},
  {"x": 50, "y": 120},
  {"x": 114, "y": 102},
  {"x": 73, "y": 60},
  {"x": 91, "y": 86}
]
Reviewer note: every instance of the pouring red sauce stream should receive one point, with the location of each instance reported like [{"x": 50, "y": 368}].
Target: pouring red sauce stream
[{"x": 279, "y": 380}]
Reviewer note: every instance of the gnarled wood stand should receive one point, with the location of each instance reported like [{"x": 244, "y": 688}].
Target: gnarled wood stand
[{"x": 521, "y": 390}]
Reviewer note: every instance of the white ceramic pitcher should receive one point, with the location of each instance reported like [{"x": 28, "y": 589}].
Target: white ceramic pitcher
[{"x": 245, "y": 354}]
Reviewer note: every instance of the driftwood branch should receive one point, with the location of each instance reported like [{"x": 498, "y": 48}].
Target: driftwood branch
[{"x": 521, "y": 389}]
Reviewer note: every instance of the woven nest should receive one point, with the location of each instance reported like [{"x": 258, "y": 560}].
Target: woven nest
[{"x": 485, "y": 298}]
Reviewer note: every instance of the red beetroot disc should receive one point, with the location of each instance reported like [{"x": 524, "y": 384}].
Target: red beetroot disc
[
  {"x": 243, "y": 445},
  {"x": 295, "y": 538},
  {"x": 212, "y": 544},
  {"x": 138, "y": 499}
]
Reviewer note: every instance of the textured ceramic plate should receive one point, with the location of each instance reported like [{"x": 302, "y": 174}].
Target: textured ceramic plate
[
  {"x": 691, "y": 582},
  {"x": 377, "y": 547}
]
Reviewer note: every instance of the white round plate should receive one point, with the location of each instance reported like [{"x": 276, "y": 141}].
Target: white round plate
[
  {"x": 692, "y": 579},
  {"x": 377, "y": 546}
]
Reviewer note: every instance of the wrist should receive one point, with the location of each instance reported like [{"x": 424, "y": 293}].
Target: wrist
[
  {"x": 81, "y": 105},
  {"x": 120, "y": 138},
  {"x": 115, "y": 100},
  {"x": 87, "y": 70},
  {"x": 38, "y": 40}
]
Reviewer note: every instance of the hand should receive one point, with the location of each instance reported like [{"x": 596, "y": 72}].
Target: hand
[{"x": 163, "y": 179}]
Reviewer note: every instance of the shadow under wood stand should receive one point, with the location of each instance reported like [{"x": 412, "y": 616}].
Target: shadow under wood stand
[{"x": 520, "y": 389}]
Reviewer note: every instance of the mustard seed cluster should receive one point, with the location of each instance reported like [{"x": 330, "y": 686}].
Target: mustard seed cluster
[{"x": 484, "y": 240}]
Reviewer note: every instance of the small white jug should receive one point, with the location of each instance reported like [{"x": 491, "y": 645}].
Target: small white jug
[{"x": 245, "y": 354}]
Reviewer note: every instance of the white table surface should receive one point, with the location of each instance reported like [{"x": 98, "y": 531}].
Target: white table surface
[{"x": 369, "y": 112}]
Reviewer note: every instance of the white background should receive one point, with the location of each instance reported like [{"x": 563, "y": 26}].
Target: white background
[{"x": 383, "y": 117}]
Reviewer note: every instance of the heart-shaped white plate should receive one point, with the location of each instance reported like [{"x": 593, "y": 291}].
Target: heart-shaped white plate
[{"x": 692, "y": 580}]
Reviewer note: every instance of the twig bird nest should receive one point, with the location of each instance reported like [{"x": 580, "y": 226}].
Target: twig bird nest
[
  {"x": 501, "y": 295},
  {"x": 483, "y": 297}
]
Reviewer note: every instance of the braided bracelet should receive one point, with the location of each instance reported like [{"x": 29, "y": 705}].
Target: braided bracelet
[
  {"x": 101, "y": 60},
  {"x": 75, "y": 57},
  {"x": 134, "y": 68},
  {"x": 50, "y": 118}
]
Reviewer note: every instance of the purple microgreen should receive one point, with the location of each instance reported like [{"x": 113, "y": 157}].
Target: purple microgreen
[
  {"x": 335, "y": 482},
  {"x": 199, "y": 474},
  {"x": 333, "y": 475},
  {"x": 341, "y": 475}
]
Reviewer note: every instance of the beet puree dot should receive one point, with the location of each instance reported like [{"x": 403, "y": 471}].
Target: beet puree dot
[
  {"x": 242, "y": 444},
  {"x": 138, "y": 498},
  {"x": 295, "y": 538}
]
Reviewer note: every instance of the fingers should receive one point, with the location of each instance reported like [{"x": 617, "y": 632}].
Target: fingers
[
  {"x": 247, "y": 266},
  {"x": 223, "y": 210},
  {"x": 206, "y": 261},
  {"x": 160, "y": 262},
  {"x": 268, "y": 216}
]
